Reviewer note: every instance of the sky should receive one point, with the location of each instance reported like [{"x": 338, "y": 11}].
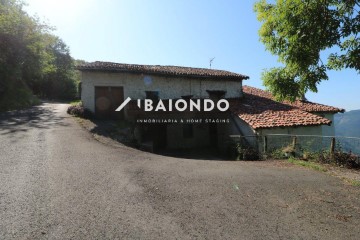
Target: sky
[{"x": 181, "y": 33}]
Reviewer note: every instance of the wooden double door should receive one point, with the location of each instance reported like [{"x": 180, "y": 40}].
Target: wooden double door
[{"x": 107, "y": 99}]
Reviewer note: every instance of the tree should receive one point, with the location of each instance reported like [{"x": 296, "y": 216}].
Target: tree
[
  {"x": 32, "y": 60},
  {"x": 59, "y": 77},
  {"x": 20, "y": 54},
  {"x": 298, "y": 32}
]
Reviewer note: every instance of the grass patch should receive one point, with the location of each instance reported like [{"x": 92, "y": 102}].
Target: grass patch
[
  {"x": 355, "y": 183},
  {"x": 74, "y": 103},
  {"x": 307, "y": 164}
]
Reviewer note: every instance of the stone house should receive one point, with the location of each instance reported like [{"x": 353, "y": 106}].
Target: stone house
[{"x": 251, "y": 111}]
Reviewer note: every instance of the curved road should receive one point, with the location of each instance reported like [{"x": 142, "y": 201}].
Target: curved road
[{"x": 57, "y": 182}]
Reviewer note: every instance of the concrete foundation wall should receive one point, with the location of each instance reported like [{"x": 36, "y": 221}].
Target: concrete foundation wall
[{"x": 328, "y": 130}]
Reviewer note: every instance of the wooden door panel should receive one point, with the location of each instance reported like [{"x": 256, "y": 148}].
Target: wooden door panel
[{"x": 107, "y": 99}]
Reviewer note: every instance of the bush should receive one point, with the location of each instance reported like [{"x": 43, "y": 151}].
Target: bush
[
  {"x": 340, "y": 158},
  {"x": 248, "y": 153},
  {"x": 348, "y": 160},
  {"x": 78, "y": 110},
  {"x": 237, "y": 151},
  {"x": 17, "y": 96},
  {"x": 277, "y": 154}
]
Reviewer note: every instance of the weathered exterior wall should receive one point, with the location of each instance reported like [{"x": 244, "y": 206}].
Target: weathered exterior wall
[
  {"x": 328, "y": 130},
  {"x": 135, "y": 86},
  {"x": 308, "y": 130},
  {"x": 239, "y": 127},
  {"x": 256, "y": 141},
  {"x": 176, "y": 140}
]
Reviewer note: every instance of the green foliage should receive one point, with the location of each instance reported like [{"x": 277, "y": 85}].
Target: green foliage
[
  {"x": 312, "y": 156},
  {"x": 297, "y": 32},
  {"x": 76, "y": 102},
  {"x": 17, "y": 96},
  {"x": 32, "y": 60},
  {"x": 277, "y": 154},
  {"x": 237, "y": 151}
]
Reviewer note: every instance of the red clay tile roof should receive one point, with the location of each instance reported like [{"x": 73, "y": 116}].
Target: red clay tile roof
[
  {"x": 301, "y": 104},
  {"x": 162, "y": 70},
  {"x": 261, "y": 112}
]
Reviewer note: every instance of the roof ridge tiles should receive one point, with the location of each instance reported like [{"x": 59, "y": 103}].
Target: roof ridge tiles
[{"x": 163, "y": 70}]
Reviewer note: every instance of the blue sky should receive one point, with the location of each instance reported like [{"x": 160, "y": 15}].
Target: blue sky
[{"x": 182, "y": 33}]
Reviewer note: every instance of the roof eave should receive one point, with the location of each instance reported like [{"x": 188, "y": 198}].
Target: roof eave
[
  {"x": 330, "y": 111},
  {"x": 302, "y": 125}
]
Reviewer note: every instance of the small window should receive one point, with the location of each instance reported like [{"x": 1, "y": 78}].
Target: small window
[
  {"x": 188, "y": 131},
  {"x": 153, "y": 95},
  {"x": 216, "y": 94}
]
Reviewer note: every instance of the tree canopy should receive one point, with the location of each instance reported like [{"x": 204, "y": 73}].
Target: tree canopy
[
  {"x": 298, "y": 32},
  {"x": 32, "y": 60}
]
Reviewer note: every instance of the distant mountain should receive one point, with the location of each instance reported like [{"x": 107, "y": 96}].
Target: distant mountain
[{"x": 347, "y": 124}]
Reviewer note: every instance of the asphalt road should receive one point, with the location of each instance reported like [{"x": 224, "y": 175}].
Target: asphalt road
[{"x": 58, "y": 182}]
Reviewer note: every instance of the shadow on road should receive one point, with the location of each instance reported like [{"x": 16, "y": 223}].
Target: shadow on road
[
  {"x": 109, "y": 129},
  {"x": 42, "y": 116},
  {"x": 205, "y": 153}
]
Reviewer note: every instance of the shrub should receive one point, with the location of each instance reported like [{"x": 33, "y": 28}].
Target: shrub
[
  {"x": 319, "y": 156},
  {"x": 78, "y": 110},
  {"x": 348, "y": 160},
  {"x": 289, "y": 151},
  {"x": 340, "y": 158},
  {"x": 75, "y": 102},
  {"x": 237, "y": 151},
  {"x": 17, "y": 96},
  {"x": 277, "y": 154},
  {"x": 248, "y": 153}
]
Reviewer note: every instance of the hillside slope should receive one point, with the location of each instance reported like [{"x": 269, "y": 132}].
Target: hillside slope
[{"x": 348, "y": 124}]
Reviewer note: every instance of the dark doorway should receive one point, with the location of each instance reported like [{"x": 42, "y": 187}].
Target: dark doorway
[
  {"x": 107, "y": 99},
  {"x": 213, "y": 133},
  {"x": 159, "y": 132}
]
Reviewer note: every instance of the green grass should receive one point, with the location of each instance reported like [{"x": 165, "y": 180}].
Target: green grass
[
  {"x": 307, "y": 164},
  {"x": 76, "y": 102},
  {"x": 355, "y": 183}
]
